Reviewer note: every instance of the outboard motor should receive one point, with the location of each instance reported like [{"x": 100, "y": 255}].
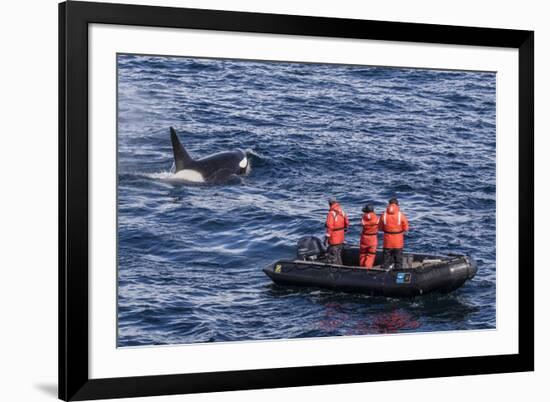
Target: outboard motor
[{"x": 309, "y": 248}]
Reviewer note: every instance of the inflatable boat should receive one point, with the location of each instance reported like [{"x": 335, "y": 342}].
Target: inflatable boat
[{"x": 420, "y": 274}]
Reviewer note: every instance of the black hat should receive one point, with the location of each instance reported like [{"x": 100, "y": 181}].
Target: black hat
[
  {"x": 331, "y": 201},
  {"x": 394, "y": 201},
  {"x": 368, "y": 208}
]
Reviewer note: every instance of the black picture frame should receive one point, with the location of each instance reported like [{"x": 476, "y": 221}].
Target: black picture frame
[{"x": 74, "y": 18}]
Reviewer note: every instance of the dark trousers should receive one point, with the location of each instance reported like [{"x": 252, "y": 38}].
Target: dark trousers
[
  {"x": 334, "y": 254},
  {"x": 393, "y": 256}
]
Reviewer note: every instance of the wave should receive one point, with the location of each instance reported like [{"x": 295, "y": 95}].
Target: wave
[{"x": 190, "y": 254}]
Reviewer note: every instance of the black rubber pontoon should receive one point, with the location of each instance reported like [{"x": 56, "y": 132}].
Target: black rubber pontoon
[{"x": 420, "y": 274}]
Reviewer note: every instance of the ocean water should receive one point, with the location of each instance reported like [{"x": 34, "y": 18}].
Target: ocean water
[{"x": 190, "y": 256}]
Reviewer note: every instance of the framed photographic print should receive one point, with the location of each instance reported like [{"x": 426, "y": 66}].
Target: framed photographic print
[{"x": 257, "y": 200}]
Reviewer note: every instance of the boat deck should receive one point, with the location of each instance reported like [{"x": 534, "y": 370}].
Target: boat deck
[{"x": 350, "y": 259}]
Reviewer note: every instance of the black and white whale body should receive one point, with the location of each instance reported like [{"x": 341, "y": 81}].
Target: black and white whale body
[{"x": 214, "y": 168}]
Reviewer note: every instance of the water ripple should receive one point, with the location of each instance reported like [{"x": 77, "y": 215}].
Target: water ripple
[{"x": 190, "y": 256}]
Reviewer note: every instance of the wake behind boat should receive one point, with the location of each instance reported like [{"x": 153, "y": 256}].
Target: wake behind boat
[{"x": 420, "y": 274}]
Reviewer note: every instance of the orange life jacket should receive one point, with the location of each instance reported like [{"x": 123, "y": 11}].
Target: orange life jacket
[
  {"x": 370, "y": 230},
  {"x": 393, "y": 223},
  {"x": 337, "y": 222}
]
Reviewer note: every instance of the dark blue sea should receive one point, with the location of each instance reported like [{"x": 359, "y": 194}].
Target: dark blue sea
[{"x": 190, "y": 256}]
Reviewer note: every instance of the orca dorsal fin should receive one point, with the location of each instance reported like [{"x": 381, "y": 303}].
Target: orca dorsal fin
[{"x": 181, "y": 157}]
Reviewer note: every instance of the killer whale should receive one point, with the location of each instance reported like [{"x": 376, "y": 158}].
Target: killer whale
[{"x": 213, "y": 168}]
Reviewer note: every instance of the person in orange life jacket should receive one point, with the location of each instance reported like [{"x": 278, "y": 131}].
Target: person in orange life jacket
[
  {"x": 394, "y": 224},
  {"x": 336, "y": 224},
  {"x": 369, "y": 239}
]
